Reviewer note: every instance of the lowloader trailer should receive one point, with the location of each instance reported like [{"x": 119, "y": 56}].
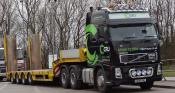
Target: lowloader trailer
[{"x": 122, "y": 47}]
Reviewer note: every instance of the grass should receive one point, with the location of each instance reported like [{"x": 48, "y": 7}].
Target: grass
[
  {"x": 169, "y": 70},
  {"x": 169, "y": 73}
]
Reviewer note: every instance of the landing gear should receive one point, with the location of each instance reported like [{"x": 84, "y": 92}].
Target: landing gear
[{"x": 101, "y": 82}]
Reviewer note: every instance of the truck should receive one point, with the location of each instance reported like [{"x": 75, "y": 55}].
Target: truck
[
  {"x": 20, "y": 62},
  {"x": 122, "y": 48},
  {"x": 2, "y": 65}
]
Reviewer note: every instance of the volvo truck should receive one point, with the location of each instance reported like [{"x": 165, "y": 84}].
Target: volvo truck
[{"x": 122, "y": 48}]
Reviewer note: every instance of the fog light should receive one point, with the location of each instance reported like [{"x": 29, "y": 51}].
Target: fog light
[
  {"x": 139, "y": 72},
  {"x": 133, "y": 73},
  {"x": 149, "y": 71},
  {"x": 143, "y": 72},
  {"x": 118, "y": 73}
]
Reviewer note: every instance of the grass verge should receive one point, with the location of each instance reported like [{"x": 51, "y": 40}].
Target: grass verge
[{"x": 169, "y": 73}]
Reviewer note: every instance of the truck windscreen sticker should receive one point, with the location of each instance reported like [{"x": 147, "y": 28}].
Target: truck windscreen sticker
[
  {"x": 134, "y": 49},
  {"x": 128, "y": 15}
]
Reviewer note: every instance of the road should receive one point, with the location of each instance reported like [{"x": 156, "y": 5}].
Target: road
[{"x": 6, "y": 87}]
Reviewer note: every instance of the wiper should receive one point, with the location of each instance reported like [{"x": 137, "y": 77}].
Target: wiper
[
  {"x": 150, "y": 36},
  {"x": 126, "y": 39}
]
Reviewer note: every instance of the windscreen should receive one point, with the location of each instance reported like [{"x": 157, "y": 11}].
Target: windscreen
[
  {"x": 125, "y": 32},
  {"x": 1, "y": 54},
  {"x": 19, "y": 54}
]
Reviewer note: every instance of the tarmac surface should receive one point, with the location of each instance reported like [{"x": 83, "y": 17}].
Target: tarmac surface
[
  {"x": 7, "y": 87},
  {"x": 167, "y": 82}
]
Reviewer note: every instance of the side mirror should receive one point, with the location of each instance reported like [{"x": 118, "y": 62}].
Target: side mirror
[
  {"x": 160, "y": 40},
  {"x": 160, "y": 37}
]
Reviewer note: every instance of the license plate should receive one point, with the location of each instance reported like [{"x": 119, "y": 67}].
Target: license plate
[{"x": 139, "y": 80}]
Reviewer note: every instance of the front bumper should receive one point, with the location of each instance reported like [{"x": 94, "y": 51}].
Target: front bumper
[
  {"x": 131, "y": 81},
  {"x": 127, "y": 79},
  {"x": 2, "y": 74}
]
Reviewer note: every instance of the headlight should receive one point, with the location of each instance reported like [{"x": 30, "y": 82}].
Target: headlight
[
  {"x": 118, "y": 73},
  {"x": 152, "y": 56},
  {"x": 159, "y": 69}
]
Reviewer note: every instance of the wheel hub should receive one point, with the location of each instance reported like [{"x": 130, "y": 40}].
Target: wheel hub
[
  {"x": 30, "y": 81},
  {"x": 63, "y": 78},
  {"x": 73, "y": 78},
  {"x": 23, "y": 80},
  {"x": 17, "y": 80},
  {"x": 100, "y": 81},
  {"x": 11, "y": 79}
]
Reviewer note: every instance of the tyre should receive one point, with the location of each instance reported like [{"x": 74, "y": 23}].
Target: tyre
[
  {"x": 30, "y": 79},
  {"x": 23, "y": 80},
  {"x": 75, "y": 74},
  {"x": 17, "y": 79},
  {"x": 65, "y": 80},
  {"x": 1, "y": 78},
  {"x": 146, "y": 86},
  {"x": 100, "y": 82},
  {"x": 12, "y": 80}
]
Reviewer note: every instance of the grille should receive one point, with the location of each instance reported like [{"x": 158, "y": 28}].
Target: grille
[{"x": 140, "y": 57}]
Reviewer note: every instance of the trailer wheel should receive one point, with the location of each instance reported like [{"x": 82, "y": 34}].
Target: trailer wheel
[
  {"x": 23, "y": 80},
  {"x": 65, "y": 78},
  {"x": 17, "y": 79},
  {"x": 12, "y": 79},
  {"x": 29, "y": 79},
  {"x": 101, "y": 82},
  {"x": 74, "y": 78},
  {"x": 146, "y": 86}
]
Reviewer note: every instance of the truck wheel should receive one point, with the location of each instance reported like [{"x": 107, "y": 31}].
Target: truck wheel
[
  {"x": 12, "y": 79},
  {"x": 74, "y": 78},
  {"x": 17, "y": 79},
  {"x": 23, "y": 80},
  {"x": 146, "y": 86},
  {"x": 101, "y": 79},
  {"x": 29, "y": 79},
  {"x": 65, "y": 78}
]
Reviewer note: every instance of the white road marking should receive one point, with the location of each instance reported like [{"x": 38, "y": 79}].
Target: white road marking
[{"x": 36, "y": 90}]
